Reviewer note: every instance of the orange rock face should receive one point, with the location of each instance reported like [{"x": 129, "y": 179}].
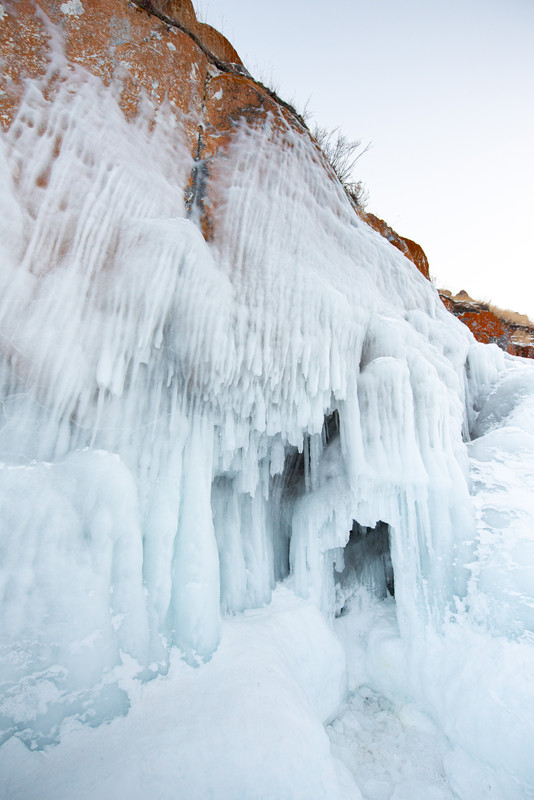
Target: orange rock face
[
  {"x": 411, "y": 250},
  {"x": 217, "y": 43},
  {"x": 165, "y": 56},
  {"x": 110, "y": 39},
  {"x": 152, "y": 51},
  {"x": 180, "y": 10},
  {"x": 117, "y": 41},
  {"x": 487, "y": 327},
  {"x": 183, "y": 12},
  {"x": 24, "y": 51},
  {"x": 418, "y": 256},
  {"x": 229, "y": 98}
]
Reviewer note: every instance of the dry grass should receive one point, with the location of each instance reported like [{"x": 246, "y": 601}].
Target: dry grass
[
  {"x": 522, "y": 338},
  {"x": 504, "y": 314},
  {"x": 511, "y": 317}
]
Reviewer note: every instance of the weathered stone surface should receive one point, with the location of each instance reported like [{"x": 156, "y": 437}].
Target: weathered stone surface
[
  {"x": 151, "y": 62},
  {"x": 418, "y": 256},
  {"x": 228, "y": 100},
  {"x": 518, "y": 340},
  {"x": 411, "y": 250},
  {"x": 146, "y": 61},
  {"x": 24, "y": 49},
  {"x": 180, "y": 10},
  {"x": 486, "y": 327},
  {"x": 217, "y": 43},
  {"x": 183, "y": 13}
]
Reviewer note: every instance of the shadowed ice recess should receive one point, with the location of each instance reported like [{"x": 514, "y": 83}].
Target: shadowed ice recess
[{"x": 187, "y": 428}]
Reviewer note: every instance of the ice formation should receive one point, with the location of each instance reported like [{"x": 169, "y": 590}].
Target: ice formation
[{"x": 187, "y": 428}]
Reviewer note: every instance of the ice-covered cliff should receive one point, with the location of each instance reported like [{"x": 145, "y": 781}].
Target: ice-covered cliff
[{"x": 235, "y": 421}]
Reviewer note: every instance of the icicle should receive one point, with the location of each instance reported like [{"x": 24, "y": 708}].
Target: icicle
[{"x": 194, "y": 616}]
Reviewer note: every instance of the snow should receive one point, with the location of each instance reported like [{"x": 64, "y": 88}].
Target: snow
[
  {"x": 217, "y": 460},
  {"x": 72, "y": 8},
  {"x": 393, "y": 753},
  {"x": 211, "y": 732}
]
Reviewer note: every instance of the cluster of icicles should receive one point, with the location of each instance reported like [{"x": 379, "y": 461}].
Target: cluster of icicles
[{"x": 183, "y": 424}]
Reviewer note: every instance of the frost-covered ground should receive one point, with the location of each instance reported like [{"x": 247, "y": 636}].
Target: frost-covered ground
[
  {"x": 219, "y": 460},
  {"x": 392, "y": 752},
  {"x": 248, "y": 723},
  {"x": 211, "y": 732}
]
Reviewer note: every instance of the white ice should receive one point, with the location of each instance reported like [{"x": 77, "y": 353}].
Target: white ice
[{"x": 233, "y": 451}]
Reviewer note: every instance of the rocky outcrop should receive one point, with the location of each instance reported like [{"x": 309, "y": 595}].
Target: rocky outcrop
[
  {"x": 407, "y": 247},
  {"x": 114, "y": 41},
  {"x": 180, "y": 13},
  {"x": 153, "y": 53},
  {"x": 517, "y": 339}
]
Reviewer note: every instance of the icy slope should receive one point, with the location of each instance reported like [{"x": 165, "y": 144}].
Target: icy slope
[{"x": 187, "y": 424}]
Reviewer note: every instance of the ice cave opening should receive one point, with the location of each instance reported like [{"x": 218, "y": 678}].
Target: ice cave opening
[{"x": 365, "y": 561}]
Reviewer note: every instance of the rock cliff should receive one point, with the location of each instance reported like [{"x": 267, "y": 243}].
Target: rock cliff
[
  {"x": 411, "y": 250},
  {"x": 157, "y": 52},
  {"x": 154, "y": 52},
  {"x": 492, "y": 325}
]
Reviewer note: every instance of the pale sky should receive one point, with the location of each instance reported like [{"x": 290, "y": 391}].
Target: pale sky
[{"x": 444, "y": 91}]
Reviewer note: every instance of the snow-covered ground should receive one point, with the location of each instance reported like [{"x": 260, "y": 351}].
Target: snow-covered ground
[
  {"x": 248, "y": 723},
  {"x": 218, "y": 460},
  {"x": 392, "y": 752}
]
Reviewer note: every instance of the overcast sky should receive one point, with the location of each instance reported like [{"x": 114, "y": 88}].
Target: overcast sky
[{"x": 444, "y": 91}]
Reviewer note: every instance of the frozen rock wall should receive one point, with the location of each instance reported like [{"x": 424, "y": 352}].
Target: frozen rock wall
[{"x": 188, "y": 301}]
